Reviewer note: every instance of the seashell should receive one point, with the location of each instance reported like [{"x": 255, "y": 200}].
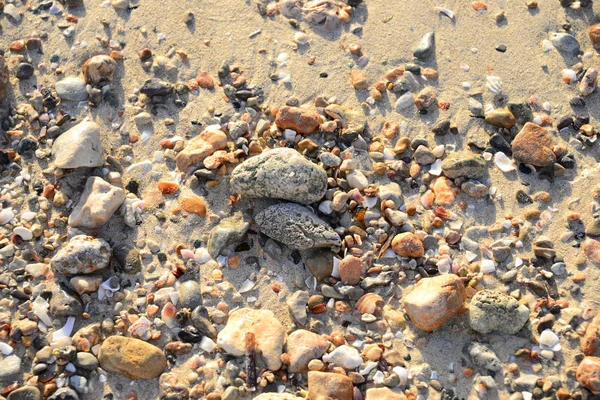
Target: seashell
[
  {"x": 369, "y": 303},
  {"x": 246, "y": 286},
  {"x": 168, "y": 311},
  {"x": 494, "y": 84},
  {"x": 100, "y": 68},
  {"x": 140, "y": 328},
  {"x": 549, "y": 341},
  {"x": 504, "y": 163},
  {"x": 569, "y": 76},
  {"x": 588, "y": 82},
  {"x": 448, "y": 13},
  {"x": 488, "y": 266}
]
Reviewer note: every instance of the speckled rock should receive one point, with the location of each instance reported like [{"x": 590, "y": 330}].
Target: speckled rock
[
  {"x": 82, "y": 255},
  {"x": 281, "y": 174},
  {"x": 79, "y": 147},
  {"x": 491, "y": 311},
  {"x": 296, "y": 226},
  {"x": 131, "y": 357},
  {"x": 464, "y": 164},
  {"x": 483, "y": 356},
  {"x": 97, "y": 204},
  {"x": 533, "y": 145},
  {"x": 230, "y": 230}
]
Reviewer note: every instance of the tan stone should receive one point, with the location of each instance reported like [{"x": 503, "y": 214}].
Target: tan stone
[
  {"x": 351, "y": 269},
  {"x": 193, "y": 204},
  {"x": 86, "y": 284},
  {"x": 131, "y": 357},
  {"x": 408, "y": 245},
  {"x": 205, "y": 81},
  {"x": 533, "y": 145},
  {"x": 595, "y": 34},
  {"x": 445, "y": 191},
  {"x": 433, "y": 301},
  {"x": 303, "y": 346},
  {"x": 591, "y": 340},
  {"x": 97, "y": 204},
  {"x": 384, "y": 394},
  {"x": 358, "y": 79},
  {"x": 301, "y": 120},
  {"x": 200, "y": 147},
  {"x": 591, "y": 249},
  {"x": 329, "y": 386},
  {"x": 501, "y": 118},
  {"x": 588, "y": 374}
]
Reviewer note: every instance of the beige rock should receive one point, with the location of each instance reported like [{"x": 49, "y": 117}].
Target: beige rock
[
  {"x": 501, "y": 118},
  {"x": 131, "y": 357},
  {"x": 384, "y": 393},
  {"x": 351, "y": 269},
  {"x": 533, "y": 145},
  {"x": 408, "y": 245},
  {"x": 268, "y": 331},
  {"x": 276, "y": 396},
  {"x": 329, "y": 386},
  {"x": 86, "y": 284},
  {"x": 588, "y": 374},
  {"x": 591, "y": 340},
  {"x": 100, "y": 68},
  {"x": 359, "y": 79},
  {"x": 97, "y": 204},
  {"x": 303, "y": 346},
  {"x": 301, "y": 120},
  {"x": 87, "y": 337},
  {"x": 79, "y": 147},
  {"x": 200, "y": 147},
  {"x": 433, "y": 301},
  {"x": 591, "y": 249}
]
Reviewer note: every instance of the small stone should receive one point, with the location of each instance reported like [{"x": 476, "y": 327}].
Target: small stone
[
  {"x": 71, "y": 89},
  {"x": 533, "y": 145},
  {"x": 229, "y": 231},
  {"x": 63, "y": 304},
  {"x": 320, "y": 265},
  {"x": 298, "y": 119},
  {"x": 205, "y": 81},
  {"x": 82, "y": 255},
  {"x": 156, "y": 87},
  {"x": 591, "y": 249},
  {"x": 25, "y": 393},
  {"x": 128, "y": 258},
  {"x": 350, "y": 269},
  {"x": 445, "y": 191},
  {"x": 303, "y": 346},
  {"x": 190, "y": 295},
  {"x": 131, "y": 357},
  {"x": 483, "y": 356},
  {"x": 501, "y": 118},
  {"x": 565, "y": 42},
  {"x": 297, "y": 303},
  {"x": 86, "y": 361},
  {"x": 408, "y": 245},
  {"x": 268, "y": 332},
  {"x": 491, "y": 311},
  {"x": 9, "y": 366},
  {"x": 97, "y": 204},
  {"x": 433, "y": 301},
  {"x": 143, "y": 118},
  {"x": 200, "y": 147},
  {"x": 426, "y": 98},
  {"x": 64, "y": 393},
  {"x": 24, "y": 71},
  {"x": 426, "y": 47},
  {"x": 79, "y": 147},
  {"x": 591, "y": 340},
  {"x": 588, "y": 374},
  {"x": 464, "y": 164},
  {"x": 594, "y": 34},
  {"x": 358, "y": 79},
  {"x": 192, "y": 204},
  {"x": 357, "y": 179},
  {"x": 424, "y": 156},
  {"x": 98, "y": 69},
  {"x": 326, "y": 385}
]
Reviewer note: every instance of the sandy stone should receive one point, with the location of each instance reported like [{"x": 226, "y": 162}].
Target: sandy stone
[
  {"x": 200, "y": 147},
  {"x": 591, "y": 340},
  {"x": 303, "y": 346},
  {"x": 301, "y": 120},
  {"x": 588, "y": 374},
  {"x": 193, "y": 204},
  {"x": 501, "y": 118},
  {"x": 445, "y": 191},
  {"x": 408, "y": 245},
  {"x": 329, "y": 386},
  {"x": 350, "y": 270},
  {"x": 533, "y": 145},
  {"x": 384, "y": 393},
  {"x": 131, "y": 357},
  {"x": 205, "y": 81},
  {"x": 491, "y": 310},
  {"x": 82, "y": 255},
  {"x": 358, "y": 79},
  {"x": 591, "y": 249},
  {"x": 79, "y": 147},
  {"x": 97, "y": 204},
  {"x": 268, "y": 331},
  {"x": 433, "y": 301},
  {"x": 276, "y": 396}
]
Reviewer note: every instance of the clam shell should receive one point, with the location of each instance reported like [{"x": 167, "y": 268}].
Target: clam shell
[
  {"x": 369, "y": 303},
  {"x": 99, "y": 68}
]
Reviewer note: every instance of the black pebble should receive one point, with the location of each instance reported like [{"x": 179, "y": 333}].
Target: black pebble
[
  {"x": 524, "y": 169},
  {"x": 323, "y": 75},
  {"x": 24, "y": 71},
  {"x": 501, "y": 48},
  {"x": 498, "y": 142},
  {"x": 523, "y": 198}
]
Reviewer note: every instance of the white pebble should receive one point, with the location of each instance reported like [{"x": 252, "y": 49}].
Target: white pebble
[
  {"x": 6, "y": 215},
  {"x": 23, "y": 232},
  {"x": 357, "y": 179}
]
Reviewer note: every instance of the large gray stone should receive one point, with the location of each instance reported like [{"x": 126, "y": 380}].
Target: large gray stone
[
  {"x": 464, "y": 164},
  {"x": 491, "y": 311},
  {"x": 230, "y": 230},
  {"x": 71, "y": 89},
  {"x": 281, "y": 174},
  {"x": 79, "y": 147},
  {"x": 296, "y": 226}
]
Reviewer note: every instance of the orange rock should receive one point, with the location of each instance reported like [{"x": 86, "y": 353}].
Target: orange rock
[
  {"x": 390, "y": 130},
  {"x": 591, "y": 340},
  {"x": 205, "y": 81},
  {"x": 168, "y": 187},
  {"x": 351, "y": 269},
  {"x": 588, "y": 374},
  {"x": 193, "y": 204},
  {"x": 445, "y": 191},
  {"x": 591, "y": 249},
  {"x": 595, "y": 34},
  {"x": 17, "y": 46},
  {"x": 408, "y": 245},
  {"x": 327, "y": 385},
  {"x": 358, "y": 79},
  {"x": 200, "y": 147},
  {"x": 298, "y": 119},
  {"x": 533, "y": 145},
  {"x": 479, "y": 6}
]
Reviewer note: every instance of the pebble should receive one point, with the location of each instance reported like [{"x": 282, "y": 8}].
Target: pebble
[
  {"x": 358, "y": 79},
  {"x": 408, "y": 245},
  {"x": 24, "y": 71},
  {"x": 329, "y": 385},
  {"x": 495, "y": 311},
  {"x": 483, "y": 356},
  {"x": 98, "y": 69},
  {"x": 591, "y": 249},
  {"x": 302, "y": 347},
  {"x": 82, "y": 255},
  {"x": 588, "y": 374},
  {"x": 464, "y": 164},
  {"x": 229, "y": 231},
  {"x": 426, "y": 47},
  {"x": 97, "y": 204},
  {"x": 344, "y": 356},
  {"x": 71, "y": 89},
  {"x": 79, "y": 147},
  {"x": 565, "y": 42},
  {"x": 200, "y": 147},
  {"x": 189, "y": 295},
  {"x": 131, "y": 357},
  {"x": 533, "y": 145},
  {"x": 25, "y": 393},
  {"x": 300, "y": 120},
  {"x": 350, "y": 270},
  {"x": 10, "y": 366},
  {"x": 594, "y": 34}
]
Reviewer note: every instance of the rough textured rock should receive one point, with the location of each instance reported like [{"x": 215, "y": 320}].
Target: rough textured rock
[
  {"x": 408, "y": 245},
  {"x": 483, "y": 356},
  {"x": 298, "y": 119},
  {"x": 97, "y": 204},
  {"x": 82, "y": 255},
  {"x": 100, "y": 68},
  {"x": 591, "y": 340},
  {"x": 131, "y": 357},
  {"x": 491, "y": 311},
  {"x": 303, "y": 346},
  {"x": 268, "y": 331},
  {"x": 329, "y": 386},
  {"x": 533, "y": 145},
  {"x": 464, "y": 164},
  {"x": 588, "y": 374},
  {"x": 9, "y": 366},
  {"x": 79, "y": 147},
  {"x": 200, "y": 147},
  {"x": 230, "y": 230},
  {"x": 281, "y": 174},
  {"x": 434, "y": 301},
  {"x": 296, "y": 226},
  {"x": 63, "y": 304}
]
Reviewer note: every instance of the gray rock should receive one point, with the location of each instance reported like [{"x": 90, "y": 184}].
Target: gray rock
[
  {"x": 25, "y": 393},
  {"x": 9, "y": 366},
  {"x": 493, "y": 311},
  {"x": 201, "y": 322},
  {"x": 190, "y": 295},
  {"x": 565, "y": 42},
  {"x": 63, "y": 304},
  {"x": 82, "y": 255},
  {"x": 296, "y": 226},
  {"x": 526, "y": 382},
  {"x": 86, "y": 361},
  {"x": 297, "y": 303},
  {"x": 483, "y": 356},
  {"x": 426, "y": 46},
  {"x": 128, "y": 258},
  {"x": 464, "y": 164},
  {"x": 79, "y": 383},
  {"x": 423, "y": 156},
  {"x": 391, "y": 191},
  {"x": 476, "y": 107},
  {"x": 319, "y": 264},
  {"x": 281, "y": 174},
  {"x": 330, "y": 159},
  {"x": 79, "y": 147},
  {"x": 71, "y": 89},
  {"x": 64, "y": 393},
  {"x": 230, "y": 230}
]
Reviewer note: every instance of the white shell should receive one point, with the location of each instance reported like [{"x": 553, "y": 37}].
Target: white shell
[
  {"x": 494, "y": 84},
  {"x": 448, "y": 13},
  {"x": 504, "y": 163},
  {"x": 549, "y": 341},
  {"x": 488, "y": 266},
  {"x": 247, "y": 286},
  {"x": 569, "y": 76}
]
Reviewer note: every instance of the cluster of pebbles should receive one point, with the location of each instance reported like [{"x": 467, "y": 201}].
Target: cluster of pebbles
[{"x": 372, "y": 226}]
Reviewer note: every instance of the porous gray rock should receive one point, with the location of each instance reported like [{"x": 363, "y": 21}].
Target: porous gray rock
[
  {"x": 493, "y": 311},
  {"x": 464, "y": 164},
  {"x": 483, "y": 356},
  {"x": 79, "y": 147},
  {"x": 82, "y": 255},
  {"x": 230, "y": 230},
  {"x": 296, "y": 226},
  {"x": 281, "y": 174}
]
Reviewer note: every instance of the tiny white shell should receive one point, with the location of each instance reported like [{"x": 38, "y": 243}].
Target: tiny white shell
[{"x": 448, "y": 13}]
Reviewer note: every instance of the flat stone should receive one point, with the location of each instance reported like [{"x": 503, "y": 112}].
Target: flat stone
[
  {"x": 281, "y": 173},
  {"x": 384, "y": 393},
  {"x": 297, "y": 302},
  {"x": 320, "y": 264},
  {"x": 591, "y": 249},
  {"x": 326, "y": 385},
  {"x": 433, "y": 301},
  {"x": 298, "y": 119},
  {"x": 200, "y": 147},
  {"x": 445, "y": 191},
  {"x": 63, "y": 304},
  {"x": 156, "y": 87},
  {"x": 82, "y": 255},
  {"x": 296, "y": 226},
  {"x": 64, "y": 393},
  {"x": 464, "y": 164},
  {"x": 79, "y": 147},
  {"x": 71, "y": 89},
  {"x": 533, "y": 145},
  {"x": 25, "y": 393},
  {"x": 303, "y": 346},
  {"x": 132, "y": 358},
  {"x": 588, "y": 374},
  {"x": 190, "y": 295},
  {"x": 9, "y": 366},
  {"x": 493, "y": 311},
  {"x": 565, "y": 42},
  {"x": 424, "y": 156},
  {"x": 591, "y": 340},
  {"x": 86, "y": 361},
  {"x": 268, "y": 332},
  {"x": 229, "y": 231},
  {"x": 97, "y": 204}
]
